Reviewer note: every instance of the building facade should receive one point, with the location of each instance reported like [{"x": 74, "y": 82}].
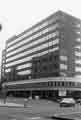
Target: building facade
[
  {"x": 3, "y": 64},
  {"x": 51, "y": 48}
]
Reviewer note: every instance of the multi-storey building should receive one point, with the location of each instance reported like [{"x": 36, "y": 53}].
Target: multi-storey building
[{"x": 51, "y": 48}]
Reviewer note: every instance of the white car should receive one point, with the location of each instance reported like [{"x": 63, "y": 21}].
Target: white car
[{"x": 67, "y": 102}]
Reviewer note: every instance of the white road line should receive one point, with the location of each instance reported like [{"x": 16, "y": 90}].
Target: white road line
[
  {"x": 67, "y": 113},
  {"x": 33, "y": 118}
]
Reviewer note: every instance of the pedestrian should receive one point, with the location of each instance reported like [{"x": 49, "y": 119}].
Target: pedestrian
[{"x": 25, "y": 102}]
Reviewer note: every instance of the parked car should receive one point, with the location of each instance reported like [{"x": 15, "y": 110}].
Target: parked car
[{"x": 67, "y": 102}]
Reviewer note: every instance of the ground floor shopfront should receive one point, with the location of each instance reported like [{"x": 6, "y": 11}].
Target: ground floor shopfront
[
  {"x": 47, "y": 88},
  {"x": 44, "y": 94}
]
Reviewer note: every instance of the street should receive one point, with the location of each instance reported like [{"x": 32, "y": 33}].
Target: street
[
  {"x": 38, "y": 110},
  {"x": 8, "y": 113}
]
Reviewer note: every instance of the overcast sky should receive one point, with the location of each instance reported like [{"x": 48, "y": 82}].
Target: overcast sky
[{"x": 18, "y": 15}]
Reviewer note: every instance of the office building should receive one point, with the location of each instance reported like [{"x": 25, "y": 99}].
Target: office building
[{"x": 51, "y": 48}]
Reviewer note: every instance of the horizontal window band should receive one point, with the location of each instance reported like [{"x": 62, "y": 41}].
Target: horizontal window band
[
  {"x": 47, "y": 42},
  {"x": 24, "y": 72},
  {"x": 26, "y": 42},
  {"x": 37, "y": 51},
  {"x": 30, "y": 61},
  {"x": 29, "y": 67},
  {"x": 28, "y": 58},
  {"x": 33, "y": 33},
  {"x": 24, "y": 66},
  {"x": 24, "y": 69}
]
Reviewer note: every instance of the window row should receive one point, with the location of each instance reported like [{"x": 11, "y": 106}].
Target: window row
[
  {"x": 33, "y": 30},
  {"x": 38, "y": 48},
  {"x": 26, "y": 72},
  {"x": 33, "y": 37},
  {"x": 49, "y": 68},
  {"x": 30, "y": 57},
  {"x": 52, "y": 35},
  {"x": 24, "y": 66},
  {"x": 20, "y": 67},
  {"x": 68, "y": 84}
]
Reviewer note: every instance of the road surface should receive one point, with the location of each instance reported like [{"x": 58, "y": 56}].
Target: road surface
[
  {"x": 38, "y": 110},
  {"x": 10, "y": 113}
]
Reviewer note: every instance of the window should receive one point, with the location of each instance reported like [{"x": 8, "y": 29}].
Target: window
[
  {"x": 78, "y": 47},
  {"x": 78, "y": 25},
  {"x": 63, "y": 66},
  {"x": 7, "y": 70},
  {"x": 56, "y": 58},
  {"x": 78, "y": 69},
  {"x": 62, "y": 83},
  {"x": 78, "y": 76},
  {"x": 78, "y": 40},
  {"x": 50, "y": 58},
  {"x": 63, "y": 58},
  {"x": 56, "y": 66},
  {"x": 78, "y": 61},
  {"x": 77, "y": 53},
  {"x": 24, "y": 72},
  {"x": 78, "y": 32},
  {"x": 51, "y": 68},
  {"x": 63, "y": 74},
  {"x": 24, "y": 66}
]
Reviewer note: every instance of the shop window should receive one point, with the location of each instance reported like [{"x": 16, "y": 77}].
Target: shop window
[{"x": 62, "y": 83}]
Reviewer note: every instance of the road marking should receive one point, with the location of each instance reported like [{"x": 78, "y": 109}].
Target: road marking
[
  {"x": 32, "y": 118},
  {"x": 66, "y": 114}
]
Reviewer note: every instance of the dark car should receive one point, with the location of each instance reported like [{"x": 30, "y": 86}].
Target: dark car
[{"x": 67, "y": 102}]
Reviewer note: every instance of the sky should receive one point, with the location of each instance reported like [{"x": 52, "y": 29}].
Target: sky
[{"x": 18, "y": 15}]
